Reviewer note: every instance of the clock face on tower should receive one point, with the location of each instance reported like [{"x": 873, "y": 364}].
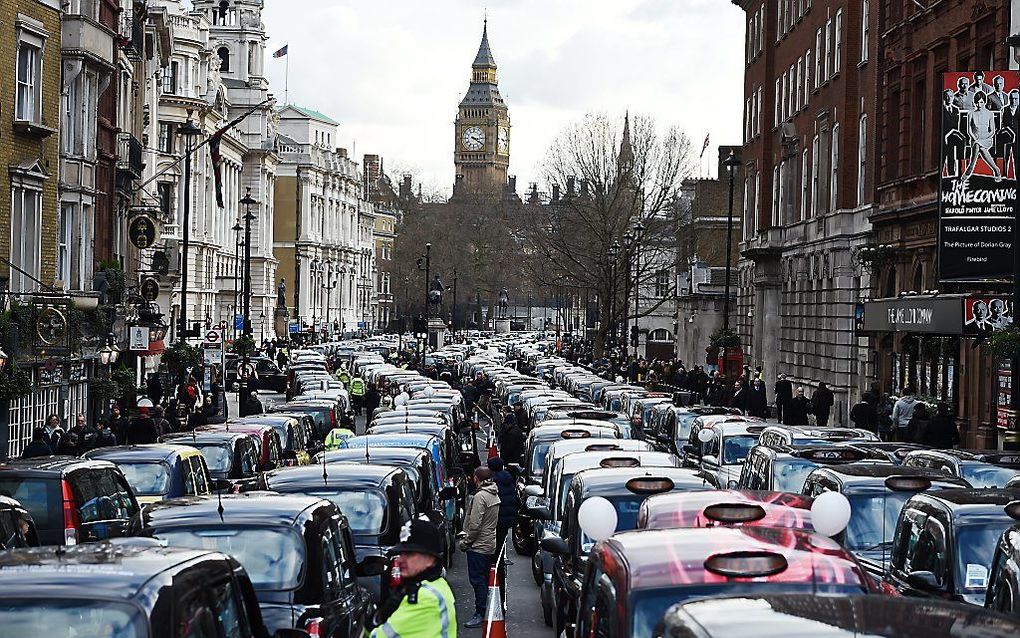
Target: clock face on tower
[
  {"x": 474, "y": 138},
  {"x": 503, "y": 142}
]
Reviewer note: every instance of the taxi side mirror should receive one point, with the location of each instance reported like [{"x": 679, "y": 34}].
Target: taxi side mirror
[
  {"x": 555, "y": 546},
  {"x": 923, "y": 581},
  {"x": 372, "y": 566},
  {"x": 708, "y": 459},
  {"x": 538, "y": 513}
]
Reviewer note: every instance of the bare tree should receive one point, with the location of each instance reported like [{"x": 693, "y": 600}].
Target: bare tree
[{"x": 614, "y": 179}]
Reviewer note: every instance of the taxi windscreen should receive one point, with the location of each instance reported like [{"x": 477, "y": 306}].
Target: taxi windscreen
[
  {"x": 71, "y": 618},
  {"x": 873, "y": 519},
  {"x": 985, "y": 475},
  {"x": 273, "y": 558},
  {"x": 147, "y": 479},
  {"x": 788, "y": 475},
  {"x": 975, "y": 546},
  {"x": 217, "y": 457},
  {"x": 736, "y": 448},
  {"x": 365, "y": 510},
  {"x": 627, "y": 507}
]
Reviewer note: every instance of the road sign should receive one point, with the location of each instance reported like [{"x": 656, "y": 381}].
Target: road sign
[
  {"x": 293, "y": 327},
  {"x": 212, "y": 337},
  {"x": 246, "y": 370}
]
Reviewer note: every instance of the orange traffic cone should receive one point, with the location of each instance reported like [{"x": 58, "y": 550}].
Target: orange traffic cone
[
  {"x": 493, "y": 451},
  {"x": 494, "y": 625}
]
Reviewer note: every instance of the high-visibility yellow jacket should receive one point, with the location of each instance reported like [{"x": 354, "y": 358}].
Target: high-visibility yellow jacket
[{"x": 434, "y": 615}]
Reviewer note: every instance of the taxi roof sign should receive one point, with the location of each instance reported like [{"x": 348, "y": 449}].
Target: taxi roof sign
[
  {"x": 650, "y": 484},
  {"x": 901, "y": 483},
  {"x": 619, "y": 461},
  {"x": 747, "y": 564},
  {"x": 575, "y": 434},
  {"x": 734, "y": 513}
]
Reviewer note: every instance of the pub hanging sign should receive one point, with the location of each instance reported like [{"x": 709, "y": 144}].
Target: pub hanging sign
[
  {"x": 978, "y": 178},
  {"x": 142, "y": 232}
]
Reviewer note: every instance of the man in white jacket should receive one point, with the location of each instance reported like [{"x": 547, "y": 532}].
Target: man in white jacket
[{"x": 902, "y": 412}]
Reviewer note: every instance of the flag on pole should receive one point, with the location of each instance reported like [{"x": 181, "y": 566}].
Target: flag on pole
[
  {"x": 214, "y": 149},
  {"x": 704, "y": 147},
  {"x": 281, "y": 52}
]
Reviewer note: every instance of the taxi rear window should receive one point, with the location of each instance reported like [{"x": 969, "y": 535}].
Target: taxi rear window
[{"x": 40, "y": 496}]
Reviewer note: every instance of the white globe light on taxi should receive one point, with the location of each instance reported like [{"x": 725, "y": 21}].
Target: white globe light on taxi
[
  {"x": 705, "y": 436},
  {"x": 597, "y": 518},
  {"x": 830, "y": 513}
]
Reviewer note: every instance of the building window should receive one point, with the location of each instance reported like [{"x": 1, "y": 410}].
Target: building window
[
  {"x": 166, "y": 193},
  {"x": 662, "y": 284},
  {"x": 800, "y": 95},
  {"x": 792, "y": 99},
  {"x": 26, "y": 217},
  {"x": 224, "y": 55},
  {"x": 805, "y": 173},
  {"x": 834, "y": 168},
  {"x": 757, "y": 111},
  {"x": 814, "y": 176},
  {"x": 862, "y": 150},
  {"x": 865, "y": 30},
  {"x": 65, "y": 224},
  {"x": 807, "y": 77},
  {"x": 167, "y": 131},
  {"x": 837, "y": 45},
  {"x": 776, "y": 195},
  {"x": 170, "y": 77},
  {"x": 748, "y": 221},
  {"x": 818, "y": 58},
  {"x": 775, "y": 110},
  {"x": 785, "y": 111},
  {"x": 27, "y": 102},
  {"x": 827, "y": 62},
  {"x": 79, "y": 121},
  {"x": 757, "y": 201}
]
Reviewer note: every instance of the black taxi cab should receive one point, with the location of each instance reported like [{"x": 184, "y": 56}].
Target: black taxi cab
[
  {"x": 127, "y": 591},
  {"x": 722, "y": 456},
  {"x": 1003, "y": 593},
  {"x": 783, "y": 468},
  {"x": 634, "y": 577},
  {"x": 232, "y": 458},
  {"x": 541, "y": 437},
  {"x": 670, "y": 426},
  {"x": 17, "y": 529},
  {"x": 296, "y": 550},
  {"x": 980, "y": 468},
  {"x": 877, "y": 493},
  {"x": 783, "y": 435},
  {"x": 158, "y": 471},
  {"x": 783, "y": 616},
  {"x": 945, "y": 540},
  {"x": 712, "y": 508},
  {"x": 376, "y": 499},
  {"x": 626, "y": 488}
]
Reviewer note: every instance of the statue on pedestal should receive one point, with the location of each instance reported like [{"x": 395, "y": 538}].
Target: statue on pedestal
[
  {"x": 503, "y": 302},
  {"x": 281, "y": 294},
  {"x": 435, "y": 297}
]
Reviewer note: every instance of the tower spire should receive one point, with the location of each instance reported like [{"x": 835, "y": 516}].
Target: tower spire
[
  {"x": 484, "y": 58},
  {"x": 626, "y": 159}
]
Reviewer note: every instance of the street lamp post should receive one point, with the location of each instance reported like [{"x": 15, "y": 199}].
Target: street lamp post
[
  {"x": 188, "y": 131},
  {"x": 628, "y": 255},
  {"x": 453, "y": 312},
  {"x": 614, "y": 252},
  {"x": 237, "y": 275},
  {"x": 242, "y": 378},
  {"x": 731, "y": 163},
  {"x": 638, "y": 229}
]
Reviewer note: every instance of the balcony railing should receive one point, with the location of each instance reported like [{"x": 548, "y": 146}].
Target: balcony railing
[{"x": 129, "y": 155}]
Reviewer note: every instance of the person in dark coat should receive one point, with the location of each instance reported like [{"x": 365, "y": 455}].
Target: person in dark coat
[
  {"x": 37, "y": 446},
  {"x": 784, "y": 394},
  {"x": 68, "y": 445},
  {"x": 864, "y": 416},
  {"x": 757, "y": 400},
  {"x": 254, "y": 404},
  {"x": 371, "y": 400},
  {"x": 740, "y": 397},
  {"x": 511, "y": 444},
  {"x": 104, "y": 435},
  {"x": 917, "y": 427},
  {"x": 118, "y": 424},
  {"x": 821, "y": 404},
  {"x": 509, "y": 501},
  {"x": 796, "y": 411},
  {"x": 142, "y": 429},
  {"x": 520, "y": 417},
  {"x": 85, "y": 433},
  {"x": 941, "y": 432},
  {"x": 154, "y": 388}
]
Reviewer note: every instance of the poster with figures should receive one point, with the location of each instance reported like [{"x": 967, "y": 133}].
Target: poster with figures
[{"x": 978, "y": 185}]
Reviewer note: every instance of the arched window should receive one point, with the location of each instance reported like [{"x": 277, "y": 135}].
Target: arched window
[
  {"x": 660, "y": 335},
  {"x": 224, "y": 54},
  {"x": 890, "y": 283}
]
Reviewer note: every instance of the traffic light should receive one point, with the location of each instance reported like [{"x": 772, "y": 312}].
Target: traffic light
[{"x": 633, "y": 336}]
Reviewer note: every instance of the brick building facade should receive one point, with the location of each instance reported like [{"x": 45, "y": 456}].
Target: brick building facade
[{"x": 809, "y": 88}]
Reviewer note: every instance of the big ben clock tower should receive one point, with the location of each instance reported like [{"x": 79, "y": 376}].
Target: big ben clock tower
[{"x": 482, "y": 132}]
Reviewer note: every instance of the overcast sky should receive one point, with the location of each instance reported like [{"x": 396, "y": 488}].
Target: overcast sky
[{"x": 393, "y": 71}]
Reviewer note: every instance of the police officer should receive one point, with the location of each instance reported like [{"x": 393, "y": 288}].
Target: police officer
[
  {"x": 422, "y": 605},
  {"x": 357, "y": 390}
]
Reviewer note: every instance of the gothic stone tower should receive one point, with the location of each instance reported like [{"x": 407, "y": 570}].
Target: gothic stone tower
[{"x": 482, "y": 131}]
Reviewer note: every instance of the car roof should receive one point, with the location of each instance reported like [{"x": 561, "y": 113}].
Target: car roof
[
  {"x": 578, "y": 461},
  {"x": 139, "y": 453},
  {"x": 971, "y": 503},
  {"x": 781, "y": 616},
  {"x": 206, "y": 436},
  {"x": 686, "y": 509},
  {"x": 377, "y": 455},
  {"x": 868, "y": 474},
  {"x": 657, "y": 558},
  {"x": 246, "y": 508},
  {"x": 611, "y": 481},
  {"x": 51, "y": 464},
  {"x": 361, "y": 476},
  {"x": 563, "y": 447},
  {"x": 92, "y": 569},
  {"x": 393, "y": 438}
]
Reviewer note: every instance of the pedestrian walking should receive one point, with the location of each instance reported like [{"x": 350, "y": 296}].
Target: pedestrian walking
[
  {"x": 372, "y": 398},
  {"x": 902, "y": 412},
  {"x": 796, "y": 411},
  {"x": 864, "y": 416},
  {"x": 104, "y": 434},
  {"x": 478, "y": 539},
  {"x": 918, "y": 425},
  {"x": 254, "y": 404},
  {"x": 142, "y": 429},
  {"x": 740, "y": 397},
  {"x": 942, "y": 432},
  {"x": 520, "y": 416},
  {"x": 757, "y": 400},
  {"x": 37, "y": 446},
  {"x": 784, "y": 394},
  {"x": 509, "y": 501},
  {"x": 422, "y": 605},
  {"x": 511, "y": 444},
  {"x": 821, "y": 404},
  {"x": 118, "y": 424}
]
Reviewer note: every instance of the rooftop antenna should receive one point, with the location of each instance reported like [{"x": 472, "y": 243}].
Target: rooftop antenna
[
  {"x": 219, "y": 504},
  {"x": 325, "y": 477}
]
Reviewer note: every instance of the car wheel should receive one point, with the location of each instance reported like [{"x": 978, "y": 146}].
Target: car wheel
[
  {"x": 547, "y": 608},
  {"x": 522, "y": 544},
  {"x": 536, "y": 570}
]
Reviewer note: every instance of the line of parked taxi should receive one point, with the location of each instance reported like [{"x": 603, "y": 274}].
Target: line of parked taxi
[
  {"x": 246, "y": 528},
  {"x": 645, "y": 515}
]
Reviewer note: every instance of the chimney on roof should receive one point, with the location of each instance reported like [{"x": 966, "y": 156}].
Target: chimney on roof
[
  {"x": 405, "y": 187},
  {"x": 342, "y": 152},
  {"x": 556, "y": 193},
  {"x": 533, "y": 194},
  {"x": 512, "y": 184},
  {"x": 584, "y": 188},
  {"x": 570, "y": 187}
]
